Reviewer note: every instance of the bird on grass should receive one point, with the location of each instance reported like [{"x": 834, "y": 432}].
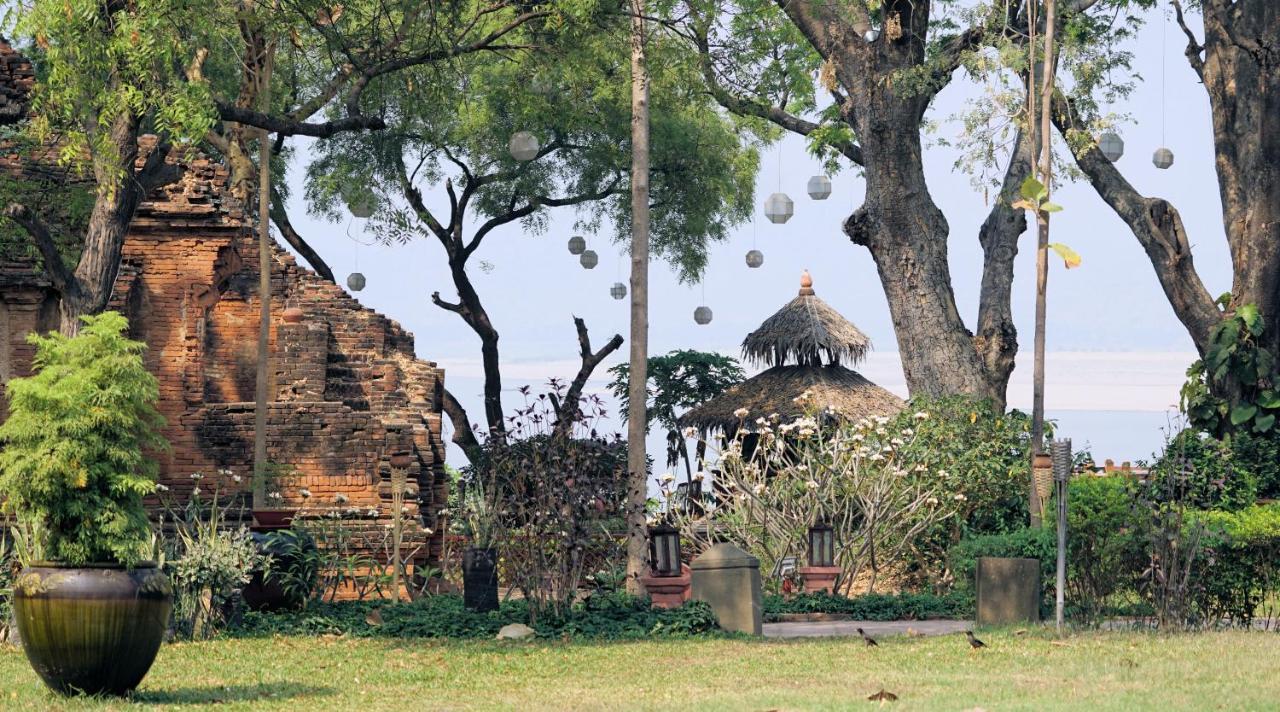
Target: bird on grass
[
  {"x": 974, "y": 642},
  {"x": 871, "y": 642}
]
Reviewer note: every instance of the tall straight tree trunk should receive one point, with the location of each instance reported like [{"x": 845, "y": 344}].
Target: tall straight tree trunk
[
  {"x": 262, "y": 394},
  {"x": 637, "y": 457}
]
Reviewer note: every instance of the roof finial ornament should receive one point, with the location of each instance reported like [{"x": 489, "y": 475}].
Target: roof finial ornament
[{"x": 806, "y": 284}]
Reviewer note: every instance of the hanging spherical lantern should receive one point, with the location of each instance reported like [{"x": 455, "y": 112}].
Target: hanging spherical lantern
[
  {"x": 702, "y": 315},
  {"x": 871, "y": 35},
  {"x": 577, "y": 245},
  {"x": 589, "y": 259},
  {"x": 1162, "y": 158},
  {"x": 1111, "y": 145},
  {"x": 524, "y": 146},
  {"x": 355, "y": 281},
  {"x": 819, "y": 187},
  {"x": 618, "y": 290},
  {"x": 755, "y": 258},
  {"x": 779, "y": 208},
  {"x": 362, "y": 206}
]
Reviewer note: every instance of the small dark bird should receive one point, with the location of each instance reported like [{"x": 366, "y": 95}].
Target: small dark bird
[
  {"x": 882, "y": 696},
  {"x": 974, "y": 642},
  {"x": 871, "y": 642}
]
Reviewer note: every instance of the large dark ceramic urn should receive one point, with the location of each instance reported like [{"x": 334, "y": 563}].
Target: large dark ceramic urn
[{"x": 92, "y": 629}]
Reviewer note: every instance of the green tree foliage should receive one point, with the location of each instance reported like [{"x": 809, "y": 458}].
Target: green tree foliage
[
  {"x": 78, "y": 443},
  {"x": 679, "y": 380},
  {"x": 1233, "y": 388},
  {"x": 451, "y": 129},
  {"x": 105, "y": 63}
]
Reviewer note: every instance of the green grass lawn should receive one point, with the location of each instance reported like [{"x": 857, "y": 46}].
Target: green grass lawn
[{"x": 1129, "y": 671}]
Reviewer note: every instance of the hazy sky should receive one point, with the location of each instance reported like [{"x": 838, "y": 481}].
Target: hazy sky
[{"x": 1116, "y": 354}]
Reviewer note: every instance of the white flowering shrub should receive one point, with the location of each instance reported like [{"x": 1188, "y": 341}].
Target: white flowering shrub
[{"x": 776, "y": 479}]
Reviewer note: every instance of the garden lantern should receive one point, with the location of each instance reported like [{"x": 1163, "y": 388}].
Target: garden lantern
[
  {"x": 779, "y": 208},
  {"x": 822, "y": 544},
  {"x": 355, "y": 281},
  {"x": 589, "y": 259},
  {"x": 1111, "y": 145},
  {"x": 524, "y": 146},
  {"x": 577, "y": 245},
  {"x": 664, "y": 550},
  {"x": 618, "y": 290},
  {"x": 755, "y": 258},
  {"x": 1162, "y": 158},
  {"x": 819, "y": 187},
  {"x": 702, "y": 315},
  {"x": 362, "y": 207}
]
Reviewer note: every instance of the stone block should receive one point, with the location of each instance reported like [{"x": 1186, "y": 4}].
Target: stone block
[
  {"x": 1008, "y": 591},
  {"x": 728, "y": 579}
]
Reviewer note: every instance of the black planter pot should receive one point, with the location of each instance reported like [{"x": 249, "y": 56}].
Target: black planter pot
[
  {"x": 92, "y": 629},
  {"x": 265, "y": 593},
  {"x": 480, "y": 579}
]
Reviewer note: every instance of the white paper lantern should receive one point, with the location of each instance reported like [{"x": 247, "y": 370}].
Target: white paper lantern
[
  {"x": 1162, "y": 158},
  {"x": 702, "y": 315},
  {"x": 362, "y": 207},
  {"x": 589, "y": 259},
  {"x": 1111, "y": 145},
  {"x": 524, "y": 146},
  {"x": 779, "y": 208},
  {"x": 755, "y": 258},
  {"x": 618, "y": 290},
  {"x": 819, "y": 187},
  {"x": 577, "y": 245},
  {"x": 871, "y": 35},
  {"x": 355, "y": 281}
]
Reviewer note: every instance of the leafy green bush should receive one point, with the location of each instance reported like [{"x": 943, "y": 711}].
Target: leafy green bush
[
  {"x": 76, "y": 461},
  {"x": 1107, "y": 544},
  {"x": 982, "y": 456},
  {"x": 1213, "y": 474},
  {"x": 873, "y": 606},
  {"x": 1240, "y": 568},
  {"x": 599, "y": 617}
]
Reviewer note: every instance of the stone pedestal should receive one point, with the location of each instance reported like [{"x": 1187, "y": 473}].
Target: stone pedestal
[
  {"x": 819, "y": 578},
  {"x": 1008, "y": 591},
  {"x": 728, "y": 579},
  {"x": 668, "y": 591}
]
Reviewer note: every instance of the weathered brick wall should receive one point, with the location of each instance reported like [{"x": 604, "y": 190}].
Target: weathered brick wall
[{"x": 348, "y": 389}]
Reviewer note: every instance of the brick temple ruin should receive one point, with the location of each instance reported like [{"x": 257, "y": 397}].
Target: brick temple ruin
[{"x": 347, "y": 388}]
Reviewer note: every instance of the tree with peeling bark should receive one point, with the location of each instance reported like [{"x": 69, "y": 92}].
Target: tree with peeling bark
[
  {"x": 97, "y": 93},
  {"x": 113, "y": 71},
  {"x": 1237, "y": 59},
  {"x": 443, "y": 170},
  {"x": 856, "y": 79}
]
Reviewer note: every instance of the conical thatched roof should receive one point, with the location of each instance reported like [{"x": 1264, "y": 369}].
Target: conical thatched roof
[
  {"x": 845, "y": 392},
  {"x": 806, "y": 332}
]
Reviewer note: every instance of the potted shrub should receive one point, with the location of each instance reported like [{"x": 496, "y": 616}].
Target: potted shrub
[
  {"x": 90, "y": 608},
  {"x": 480, "y": 560},
  {"x": 274, "y": 514}
]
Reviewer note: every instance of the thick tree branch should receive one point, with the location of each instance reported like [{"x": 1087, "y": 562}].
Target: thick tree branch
[
  {"x": 289, "y": 127},
  {"x": 464, "y": 435},
  {"x": 570, "y": 408},
  {"x": 1156, "y": 224},
  {"x": 455, "y": 307},
  {"x": 280, "y": 216},
  {"x": 63, "y": 279}
]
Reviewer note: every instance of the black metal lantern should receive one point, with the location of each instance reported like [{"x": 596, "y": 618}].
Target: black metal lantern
[
  {"x": 664, "y": 550},
  {"x": 822, "y": 545}
]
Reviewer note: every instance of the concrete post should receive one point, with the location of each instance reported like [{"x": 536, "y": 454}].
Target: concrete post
[
  {"x": 1008, "y": 590},
  {"x": 728, "y": 579}
]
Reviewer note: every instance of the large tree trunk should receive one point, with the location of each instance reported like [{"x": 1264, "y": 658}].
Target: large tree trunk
[
  {"x": 1241, "y": 72},
  {"x": 1239, "y": 63},
  {"x": 637, "y": 391}
]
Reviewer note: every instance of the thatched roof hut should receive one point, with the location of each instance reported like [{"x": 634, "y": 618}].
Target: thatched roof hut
[{"x": 817, "y": 341}]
